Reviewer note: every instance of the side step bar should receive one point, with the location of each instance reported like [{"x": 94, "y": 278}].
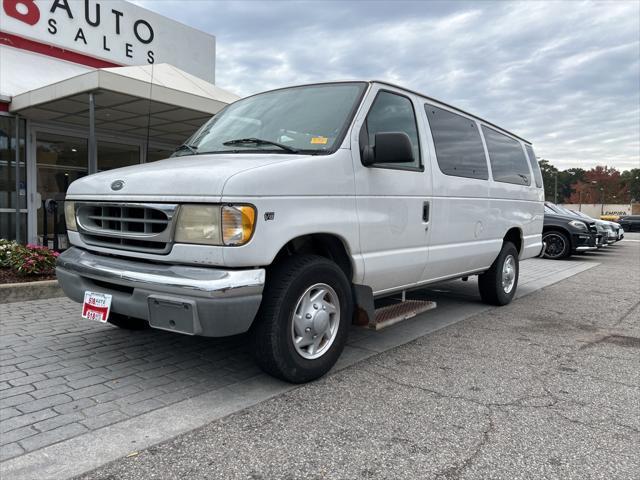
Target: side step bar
[{"x": 397, "y": 312}]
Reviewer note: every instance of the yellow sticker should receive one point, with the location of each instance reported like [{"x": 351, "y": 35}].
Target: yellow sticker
[{"x": 319, "y": 140}]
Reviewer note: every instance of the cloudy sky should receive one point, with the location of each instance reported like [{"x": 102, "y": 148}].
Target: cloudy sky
[{"x": 563, "y": 74}]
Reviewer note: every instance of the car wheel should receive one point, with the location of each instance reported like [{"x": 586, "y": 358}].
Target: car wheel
[
  {"x": 302, "y": 325},
  {"x": 558, "y": 245},
  {"x": 127, "y": 323},
  {"x": 498, "y": 284}
]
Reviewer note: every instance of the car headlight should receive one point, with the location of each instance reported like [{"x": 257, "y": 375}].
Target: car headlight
[
  {"x": 215, "y": 224},
  {"x": 578, "y": 225},
  {"x": 70, "y": 216}
]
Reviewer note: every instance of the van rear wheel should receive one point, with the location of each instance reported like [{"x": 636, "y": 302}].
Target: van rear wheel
[
  {"x": 302, "y": 325},
  {"x": 498, "y": 284}
]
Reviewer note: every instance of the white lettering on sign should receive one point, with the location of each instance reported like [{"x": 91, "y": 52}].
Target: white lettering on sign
[{"x": 115, "y": 31}]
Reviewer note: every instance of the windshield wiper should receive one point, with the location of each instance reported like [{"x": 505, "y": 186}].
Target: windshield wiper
[
  {"x": 524, "y": 177},
  {"x": 185, "y": 146},
  {"x": 259, "y": 141}
]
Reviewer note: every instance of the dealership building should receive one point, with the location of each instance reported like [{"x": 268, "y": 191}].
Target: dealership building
[{"x": 87, "y": 86}]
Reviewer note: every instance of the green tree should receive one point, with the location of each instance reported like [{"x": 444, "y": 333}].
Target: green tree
[
  {"x": 630, "y": 183},
  {"x": 549, "y": 173},
  {"x": 566, "y": 181}
]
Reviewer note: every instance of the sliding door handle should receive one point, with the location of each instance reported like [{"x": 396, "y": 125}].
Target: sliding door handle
[{"x": 425, "y": 212}]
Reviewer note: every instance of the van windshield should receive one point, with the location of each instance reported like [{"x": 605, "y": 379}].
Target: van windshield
[{"x": 310, "y": 119}]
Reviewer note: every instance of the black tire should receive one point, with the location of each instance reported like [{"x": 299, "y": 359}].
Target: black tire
[
  {"x": 490, "y": 282},
  {"x": 127, "y": 323},
  {"x": 558, "y": 245},
  {"x": 272, "y": 339}
]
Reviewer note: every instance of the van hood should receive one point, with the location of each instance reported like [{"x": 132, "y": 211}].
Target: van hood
[{"x": 177, "y": 177}]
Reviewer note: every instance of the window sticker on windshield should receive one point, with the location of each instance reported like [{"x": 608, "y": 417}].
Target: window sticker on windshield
[{"x": 319, "y": 140}]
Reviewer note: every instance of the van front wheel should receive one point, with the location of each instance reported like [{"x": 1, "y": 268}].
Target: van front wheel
[
  {"x": 498, "y": 284},
  {"x": 303, "y": 320}
]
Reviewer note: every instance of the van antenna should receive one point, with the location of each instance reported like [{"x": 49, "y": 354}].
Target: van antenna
[{"x": 146, "y": 150}]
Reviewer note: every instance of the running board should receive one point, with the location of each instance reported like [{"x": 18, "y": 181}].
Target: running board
[{"x": 392, "y": 314}]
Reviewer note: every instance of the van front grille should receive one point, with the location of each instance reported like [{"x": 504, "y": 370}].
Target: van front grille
[{"x": 127, "y": 226}]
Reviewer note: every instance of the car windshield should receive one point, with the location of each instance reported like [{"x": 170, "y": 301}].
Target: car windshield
[
  {"x": 566, "y": 211},
  {"x": 310, "y": 119},
  {"x": 553, "y": 207}
]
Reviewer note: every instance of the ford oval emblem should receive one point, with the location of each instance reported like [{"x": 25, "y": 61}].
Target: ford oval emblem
[{"x": 117, "y": 185}]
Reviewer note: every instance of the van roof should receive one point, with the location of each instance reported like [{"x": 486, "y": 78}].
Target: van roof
[{"x": 382, "y": 82}]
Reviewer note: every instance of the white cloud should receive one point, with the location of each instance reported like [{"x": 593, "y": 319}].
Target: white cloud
[{"x": 565, "y": 75}]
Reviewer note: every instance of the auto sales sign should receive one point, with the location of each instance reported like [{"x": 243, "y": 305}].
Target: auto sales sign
[{"x": 115, "y": 31}]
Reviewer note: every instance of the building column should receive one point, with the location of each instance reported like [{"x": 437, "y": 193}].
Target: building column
[
  {"x": 93, "y": 152},
  {"x": 17, "y": 161}
]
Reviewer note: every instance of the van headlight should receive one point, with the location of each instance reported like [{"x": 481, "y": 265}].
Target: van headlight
[
  {"x": 578, "y": 225},
  {"x": 70, "y": 216},
  {"x": 215, "y": 224}
]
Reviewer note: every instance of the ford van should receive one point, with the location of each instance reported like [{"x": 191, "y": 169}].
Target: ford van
[{"x": 292, "y": 210}]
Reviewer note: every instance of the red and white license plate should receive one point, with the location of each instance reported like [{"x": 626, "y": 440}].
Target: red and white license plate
[{"x": 96, "y": 306}]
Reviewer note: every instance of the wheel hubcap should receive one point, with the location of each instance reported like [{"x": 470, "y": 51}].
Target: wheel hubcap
[
  {"x": 508, "y": 273},
  {"x": 555, "y": 245},
  {"x": 316, "y": 319}
]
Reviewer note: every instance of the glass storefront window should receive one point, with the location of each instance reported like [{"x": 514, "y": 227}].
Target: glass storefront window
[
  {"x": 116, "y": 155},
  {"x": 8, "y": 226},
  {"x": 155, "y": 154},
  {"x": 60, "y": 160},
  {"x": 8, "y": 179}
]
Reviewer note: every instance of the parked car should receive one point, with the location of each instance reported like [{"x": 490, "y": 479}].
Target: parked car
[
  {"x": 630, "y": 223},
  {"x": 611, "y": 231},
  {"x": 564, "y": 235},
  {"x": 289, "y": 208}
]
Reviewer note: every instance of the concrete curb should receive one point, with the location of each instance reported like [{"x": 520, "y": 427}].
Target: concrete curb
[{"x": 20, "y": 292}]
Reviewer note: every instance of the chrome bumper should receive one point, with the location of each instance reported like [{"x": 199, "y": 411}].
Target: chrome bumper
[
  {"x": 223, "y": 302},
  {"x": 585, "y": 248}
]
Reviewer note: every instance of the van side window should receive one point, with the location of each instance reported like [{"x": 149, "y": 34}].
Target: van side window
[
  {"x": 394, "y": 113},
  {"x": 508, "y": 163},
  {"x": 458, "y": 144},
  {"x": 534, "y": 165}
]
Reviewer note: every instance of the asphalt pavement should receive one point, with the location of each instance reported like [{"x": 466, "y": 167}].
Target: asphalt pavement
[{"x": 546, "y": 387}]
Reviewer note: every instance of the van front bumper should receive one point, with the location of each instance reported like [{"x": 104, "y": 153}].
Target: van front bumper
[{"x": 203, "y": 301}]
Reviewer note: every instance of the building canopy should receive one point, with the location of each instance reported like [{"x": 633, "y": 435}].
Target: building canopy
[{"x": 161, "y": 100}]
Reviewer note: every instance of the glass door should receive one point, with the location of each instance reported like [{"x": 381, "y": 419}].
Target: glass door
[
  {"x": 60, "y": 159},
  {"x": 10, "y": 219}
]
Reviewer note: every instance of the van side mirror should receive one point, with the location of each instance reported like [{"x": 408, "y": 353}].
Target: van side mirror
[{"x": 390, "y": 147}]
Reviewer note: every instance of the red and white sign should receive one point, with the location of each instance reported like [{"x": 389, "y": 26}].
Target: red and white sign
[
  {"x": 96, "y": 306},
  {"x": 114, "y": 31}
]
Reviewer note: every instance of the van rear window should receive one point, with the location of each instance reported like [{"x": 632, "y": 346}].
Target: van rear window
[
  {"x": 458, "y": 144},
  {"x": 508, "y": 163},
  {"x": 535, "y": 168}
]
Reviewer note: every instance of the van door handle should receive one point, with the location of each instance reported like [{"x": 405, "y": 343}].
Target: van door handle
[{"x": 425, "y": 212}]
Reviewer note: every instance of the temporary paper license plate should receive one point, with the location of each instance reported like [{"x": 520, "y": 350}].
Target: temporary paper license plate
[{"x": 96, "y": 306}]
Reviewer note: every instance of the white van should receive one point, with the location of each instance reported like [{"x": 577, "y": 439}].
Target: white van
[{"x": 292, "y": 208}]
